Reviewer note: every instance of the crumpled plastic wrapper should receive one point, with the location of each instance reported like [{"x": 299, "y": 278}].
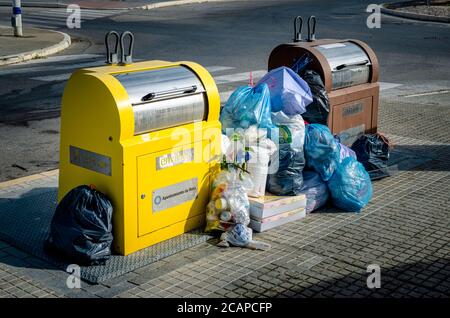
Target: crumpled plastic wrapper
[{"x": 241, "y": 236}]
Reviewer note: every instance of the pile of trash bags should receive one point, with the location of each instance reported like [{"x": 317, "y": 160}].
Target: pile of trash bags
[
  {"x": 348, "y": 182},
  {"x": 292, "y": 106},
  {"x": 276, "y": 139}
]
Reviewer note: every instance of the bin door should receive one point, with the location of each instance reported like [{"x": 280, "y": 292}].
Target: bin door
[
  {"x": 351, "y": 120},
  {"x": 173, "y": 186}
]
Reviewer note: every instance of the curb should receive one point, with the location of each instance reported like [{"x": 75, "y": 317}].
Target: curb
[
  {"x": 25, "y": 56},
  {"x": 150, "y": 6},
  {"x": 37, "y": 176},
  {"x": 178, "y": 3},
  {"x": 386, "y": 9}
]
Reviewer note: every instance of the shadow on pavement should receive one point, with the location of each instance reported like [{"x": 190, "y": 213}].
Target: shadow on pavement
[{"x": 421, "y": 279}]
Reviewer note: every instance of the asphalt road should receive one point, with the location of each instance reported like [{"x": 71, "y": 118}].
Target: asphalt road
[{"x": 232, "y": 38}]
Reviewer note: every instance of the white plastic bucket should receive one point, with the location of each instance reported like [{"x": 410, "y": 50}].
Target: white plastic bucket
[{"x": 258, "y": 167}]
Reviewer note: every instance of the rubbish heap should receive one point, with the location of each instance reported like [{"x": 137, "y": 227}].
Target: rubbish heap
[{"x": 281, "y": 161}]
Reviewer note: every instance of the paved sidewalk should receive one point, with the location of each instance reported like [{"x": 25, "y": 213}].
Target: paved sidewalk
[
  {"x": 36, "y": 43},
  {"x": 439, "y": 11},
  {"x": 87, "y": 4},
  {"x": 405, "y": 230}
]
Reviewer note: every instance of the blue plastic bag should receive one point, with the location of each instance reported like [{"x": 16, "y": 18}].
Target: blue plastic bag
[
  {"x": 345, "y": 152},
  {"x": 247, "y": 106},
  {"x": 315, "y": 190},
  {"x": 301, "y": 63},
  {"x": 288, "y": 92},
  {"x": 350, "y": 186},
  {"x": 321, "y": 150}
]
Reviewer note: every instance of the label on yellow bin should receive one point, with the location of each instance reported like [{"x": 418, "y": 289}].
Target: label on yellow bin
[
  {"x": 175, "y": 194},
  {"x": 174, "y": 159}
]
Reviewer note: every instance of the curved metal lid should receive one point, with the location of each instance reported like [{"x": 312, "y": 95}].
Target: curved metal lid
[
  {"x": 343, "y": 54},
  {"x": 162, "y": 83}
]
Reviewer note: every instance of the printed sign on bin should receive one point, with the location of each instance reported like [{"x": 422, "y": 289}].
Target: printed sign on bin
[{"x": 175, "y": 194}]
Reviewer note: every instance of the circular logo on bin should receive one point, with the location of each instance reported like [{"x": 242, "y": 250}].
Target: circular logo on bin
[{"x": 157, "y": 200}]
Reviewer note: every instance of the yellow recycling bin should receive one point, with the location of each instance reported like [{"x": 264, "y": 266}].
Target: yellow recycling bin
[{"x": 147, "y": 135}]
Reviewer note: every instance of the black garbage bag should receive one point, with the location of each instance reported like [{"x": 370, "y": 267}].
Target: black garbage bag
[
  {"x": 372, "y": 150},
  {"x": 288, "y": 180},
  {"x": 316, "y": 112},
  {"x": 286, "y": 164},
  {"x": 81, "y": 229}
]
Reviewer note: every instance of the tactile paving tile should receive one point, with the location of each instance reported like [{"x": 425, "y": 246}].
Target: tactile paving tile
[{"x": 26, "y": 222}]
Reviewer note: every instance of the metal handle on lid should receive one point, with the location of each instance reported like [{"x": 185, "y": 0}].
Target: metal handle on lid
[
  {"x": 112, "y": 57},
  {"x": 312, "y": 29},
  {"x": 126, "y": 58},
  {"x": 155, "y": 95},
  {"x": 342, "y": 66},
  {"x": 298, "y": 24}
]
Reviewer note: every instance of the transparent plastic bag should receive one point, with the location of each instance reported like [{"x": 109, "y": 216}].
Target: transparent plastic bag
[
  {"x": 315, "y": 190},
  {"x": 229, "y": 203},
  {"x": 321, "y": 150},
  {"x": 247, "y": 106},
  {"x": 288, "y": 91},
  {"x": 241, "y": 236},
  {"x": 350, "y": 186}
]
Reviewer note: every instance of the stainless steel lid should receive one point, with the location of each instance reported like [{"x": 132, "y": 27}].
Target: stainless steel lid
[
  {"x": 164, "y": 97},
  {"x": 349, "y": 63}
]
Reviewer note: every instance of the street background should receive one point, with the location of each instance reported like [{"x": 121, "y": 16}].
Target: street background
[{"x": 239, "y": 35}]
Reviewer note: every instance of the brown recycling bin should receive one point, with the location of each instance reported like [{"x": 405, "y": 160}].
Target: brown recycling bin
[{"x": 349, "y": 69}]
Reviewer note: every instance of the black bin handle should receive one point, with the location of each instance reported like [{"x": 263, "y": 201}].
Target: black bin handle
[
  {"x": 312, "y": 28},
  {"x": 298, "y": 24}
]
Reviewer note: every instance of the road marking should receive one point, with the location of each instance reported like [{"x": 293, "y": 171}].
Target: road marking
[
  {"x": 239, "y": 77},
  {"x": 38, "y": 69},
  {"x": 52, "y": 78},
  {"x": 385, "y": 85},
  {"x": 58, "y": 17},
  {"x": 44, "y": 16},
  {"x": 444, "y": 91},
  {"x": 65, "y": 76},
  {"x": 224, "y": 96},
  {"x": 83, "y": 12},
  {"x": 218, "y": 68}
]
